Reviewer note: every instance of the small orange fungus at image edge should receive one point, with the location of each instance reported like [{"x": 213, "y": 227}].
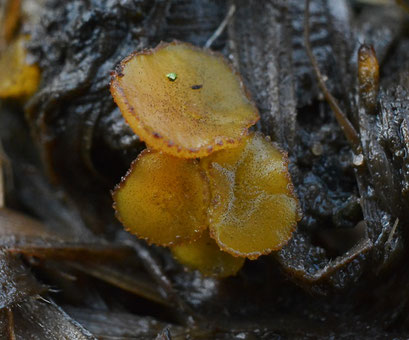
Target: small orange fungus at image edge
[
  {"x": 18, "y": 79},
  {"x": 183, "y": 100}
]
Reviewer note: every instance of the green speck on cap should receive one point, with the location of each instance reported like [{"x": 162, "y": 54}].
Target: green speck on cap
[{"x": 172, "y": 76}]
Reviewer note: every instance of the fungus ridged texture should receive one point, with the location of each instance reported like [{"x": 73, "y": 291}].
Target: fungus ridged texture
[
  {"x": 183, "y": 100},
  {"x": 163, "y": 199},
  {"x": 17, "y": 78},
  {"x": 253, "y": 207},
  {"x": 204, "y": 255}
]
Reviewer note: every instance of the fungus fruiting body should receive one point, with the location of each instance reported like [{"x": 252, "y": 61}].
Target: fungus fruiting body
[
  {"x": 205, "y": 256},
  {"x": 163, "y": 199},
  {"x": 183, "y": 100},
  {"x": 17, "y": 78},
  {"x": 253, "y": 207},
  {"x": 9, "y": 21},
  {"x": 188, "y": 103},
  {"x": 368, "y": 76}
]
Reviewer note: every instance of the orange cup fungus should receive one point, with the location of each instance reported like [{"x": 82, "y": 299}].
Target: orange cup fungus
[
  {"x": 253, "y": 209},
  {"x": 163, "y": 199},
  {"x": 18, "y": 79},
  {"x": 237, "y": 201},
  {"x": 9, "y": 20},
  {"x": 204, "y": 255},
  {"x": 183, "y": 100}
]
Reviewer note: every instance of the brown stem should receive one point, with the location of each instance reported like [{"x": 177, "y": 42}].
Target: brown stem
[{"x": 10, "y": 316}]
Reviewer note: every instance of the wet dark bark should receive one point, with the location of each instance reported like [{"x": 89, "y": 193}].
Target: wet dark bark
[{"x": 343, "y": 274}]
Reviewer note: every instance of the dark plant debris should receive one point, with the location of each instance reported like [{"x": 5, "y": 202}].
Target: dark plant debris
[{"x": 69, "y": 270}]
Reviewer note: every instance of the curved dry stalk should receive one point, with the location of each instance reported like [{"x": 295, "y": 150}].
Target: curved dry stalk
[
  {"x": 346, "y": 126},
  {"x": 221, "y": 27},
  {"x": 129, "y": 283},
  {"x": 10, "y": 317},
  {"x": 71, "y": 251}
]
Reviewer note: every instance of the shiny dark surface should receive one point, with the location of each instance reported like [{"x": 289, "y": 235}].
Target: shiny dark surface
[{"x": 344, "y": 273}]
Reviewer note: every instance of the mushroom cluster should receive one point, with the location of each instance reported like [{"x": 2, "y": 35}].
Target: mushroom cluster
[{"x": 206, "y": 187}]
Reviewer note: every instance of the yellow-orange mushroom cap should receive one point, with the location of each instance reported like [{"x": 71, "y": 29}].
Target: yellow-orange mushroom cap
[
  {"x": 183, "y": 100},
  {"x": 205, "y": 256},
  {"x": 17, "y": 78},
  {"x": 253, "y": 207},
  {"x": 9, "y": 20},
  {"x": 163, "y": 199}
]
